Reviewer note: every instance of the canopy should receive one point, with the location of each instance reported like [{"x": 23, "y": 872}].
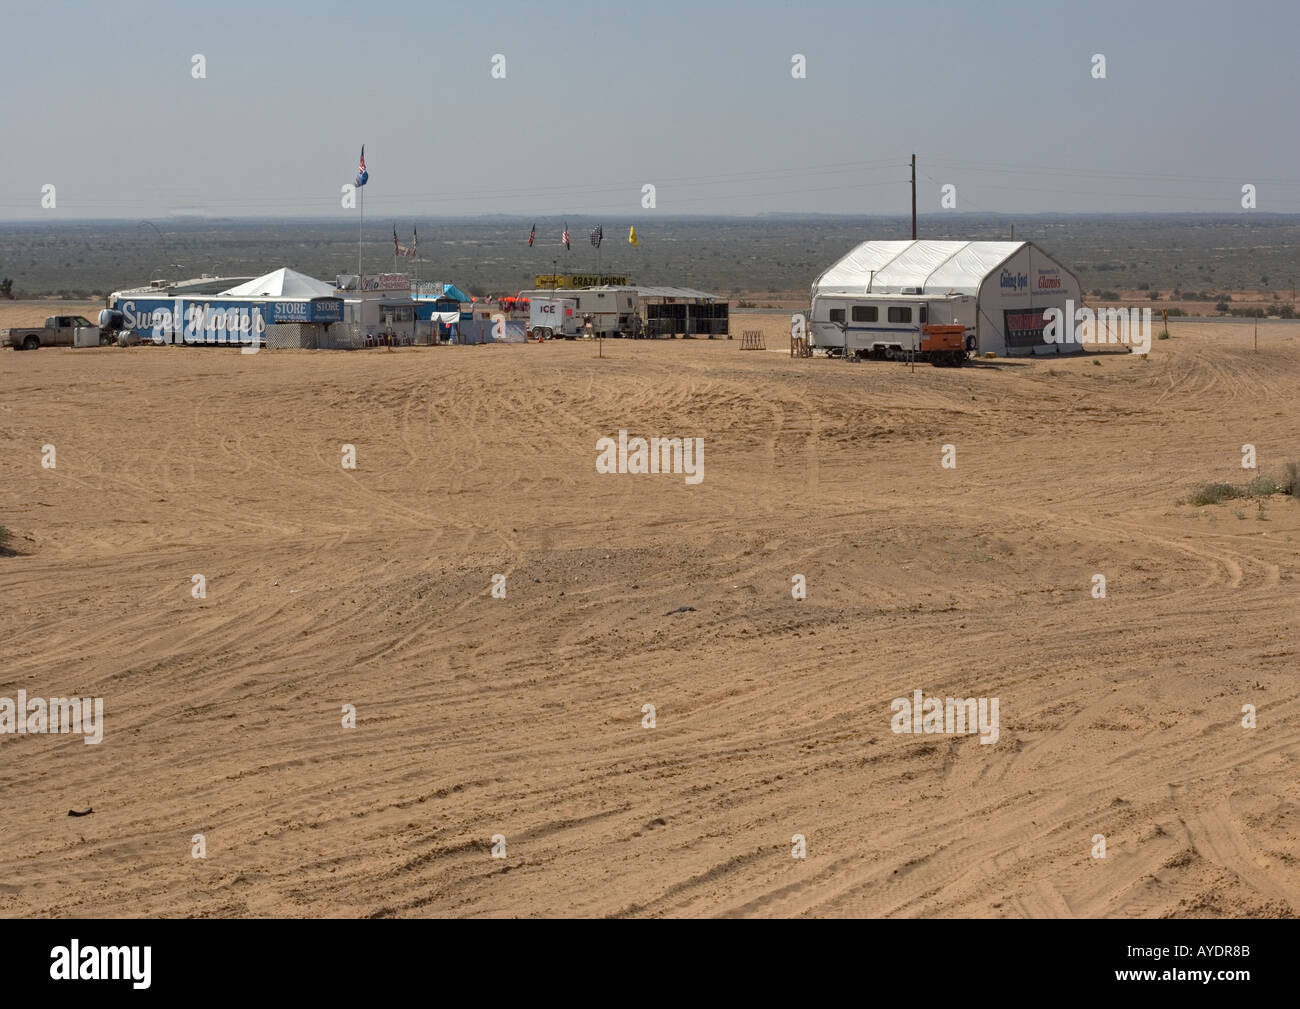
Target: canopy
[
  {"x": 920, "y": 267},
  {"x": 283, "y": 283}
]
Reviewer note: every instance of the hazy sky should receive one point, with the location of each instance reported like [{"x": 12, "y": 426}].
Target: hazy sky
[{"x": 698, "y": 99}]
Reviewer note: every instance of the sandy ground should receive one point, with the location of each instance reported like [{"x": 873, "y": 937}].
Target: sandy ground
[{"x": 522, "y": 716}]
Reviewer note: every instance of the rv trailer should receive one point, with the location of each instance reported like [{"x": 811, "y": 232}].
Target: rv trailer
[{"x": 894, "y": 326}]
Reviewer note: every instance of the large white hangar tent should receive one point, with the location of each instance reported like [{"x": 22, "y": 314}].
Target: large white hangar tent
[{"x": 1013, "y": 284}]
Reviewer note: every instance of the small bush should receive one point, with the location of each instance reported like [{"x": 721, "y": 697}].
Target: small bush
[
  {"x": 6, "y": 543},
  {"x": 1258, "y": 489},
  {"x": 1261, "y": 486},
  {"x": 1214, "y": 493}
]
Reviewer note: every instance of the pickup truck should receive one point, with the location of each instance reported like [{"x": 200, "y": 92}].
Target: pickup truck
[{"x": 58, "y": 331}]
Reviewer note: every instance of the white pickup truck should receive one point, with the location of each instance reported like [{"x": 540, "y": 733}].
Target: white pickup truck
[{"x": 58, "y": 331}]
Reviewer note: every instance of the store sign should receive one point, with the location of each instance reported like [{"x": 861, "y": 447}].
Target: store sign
[
  {"x": 326, "y": 310},
  {"x": 291, "y": 311}
]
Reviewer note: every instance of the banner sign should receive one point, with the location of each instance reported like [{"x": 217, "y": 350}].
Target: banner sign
[
  {"x": 182, "y": 320},
  {"x": 570, "y": 280},
  {"x": 386, "y": 282},
  {"x": 318, "y": 310},
  {"x": 1024, "y": 326}
]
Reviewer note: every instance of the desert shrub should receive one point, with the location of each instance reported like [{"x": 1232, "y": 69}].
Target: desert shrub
[
  {"x": 1261, "y": 486},
  {"x": 1214, "y": 493}
]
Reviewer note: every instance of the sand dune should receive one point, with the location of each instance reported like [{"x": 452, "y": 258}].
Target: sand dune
[{"x": 522, "y": 716}]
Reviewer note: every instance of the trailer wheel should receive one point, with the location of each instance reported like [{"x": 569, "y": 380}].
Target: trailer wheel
[{"x": 31, "y": 343}]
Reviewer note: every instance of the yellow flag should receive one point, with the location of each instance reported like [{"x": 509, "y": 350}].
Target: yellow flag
[{"x": 631, "y": 236}]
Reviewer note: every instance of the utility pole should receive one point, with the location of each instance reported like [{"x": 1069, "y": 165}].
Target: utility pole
[{"x": 913, "y": 197}]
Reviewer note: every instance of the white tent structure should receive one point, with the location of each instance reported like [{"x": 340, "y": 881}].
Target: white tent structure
[
  {"x": 282, "y": 283},
  {"x": 1013, "y": 284}
]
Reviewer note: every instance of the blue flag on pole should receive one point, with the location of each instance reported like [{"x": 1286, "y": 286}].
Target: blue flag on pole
[{"x": 362, "y": 175}]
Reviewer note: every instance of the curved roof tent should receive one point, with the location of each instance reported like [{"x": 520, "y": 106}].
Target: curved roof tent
[
  {"x": 921, "y": 266},
  {"x": 282, "y": 283}
]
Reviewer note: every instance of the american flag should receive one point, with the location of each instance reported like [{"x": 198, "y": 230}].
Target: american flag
[
  {"x": 597, "y": 234},
  {"x": 566, "y": 234},
  {"x": 362, "y": 175},
  {"x": 532, "y": 233}
]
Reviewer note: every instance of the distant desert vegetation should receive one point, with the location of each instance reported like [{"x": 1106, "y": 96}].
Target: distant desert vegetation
[{"x": 1191, "y": 261}]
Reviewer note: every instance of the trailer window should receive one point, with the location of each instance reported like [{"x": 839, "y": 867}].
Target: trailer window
[
  {"x": 900, "y": 314},
  {"x": 924, "y": 313},
  {"x": 837, "y": 315},
  {"x": 865, "y": 313}
]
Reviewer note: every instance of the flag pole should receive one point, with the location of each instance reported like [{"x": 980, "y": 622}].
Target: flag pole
[{"x": 361, "y": 216}]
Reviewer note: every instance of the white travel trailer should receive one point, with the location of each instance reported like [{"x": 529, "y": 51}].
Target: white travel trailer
[
  {"x": 886, "y": 325},
  {"x": 1013, "y": 284}
]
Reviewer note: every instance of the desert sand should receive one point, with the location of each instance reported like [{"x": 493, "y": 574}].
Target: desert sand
[{"x": 522, "y": 716}]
